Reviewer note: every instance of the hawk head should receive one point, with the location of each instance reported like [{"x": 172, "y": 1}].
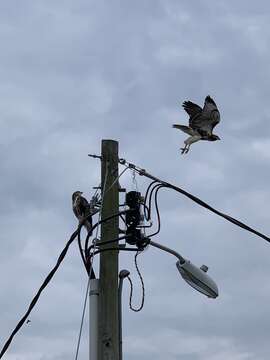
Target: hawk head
[
  {"x": 213, "y": 137},
  {"x": 76, "y": 194}
]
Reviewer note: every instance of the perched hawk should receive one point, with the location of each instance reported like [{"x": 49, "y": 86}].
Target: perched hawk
[
  {"x": 81, "y": 209},
  {"x": 201, "y": 122}
]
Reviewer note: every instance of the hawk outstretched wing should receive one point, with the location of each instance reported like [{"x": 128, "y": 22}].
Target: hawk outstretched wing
[
  {"x": 208, "y": 118},
  {"x": 192, "y": 109}
]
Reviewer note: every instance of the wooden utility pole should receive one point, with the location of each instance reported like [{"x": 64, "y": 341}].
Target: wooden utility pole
[{"x": 108, "y": 333}]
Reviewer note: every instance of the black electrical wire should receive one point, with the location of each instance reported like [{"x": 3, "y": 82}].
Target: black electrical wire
[
  {"x": 45, "y": 283},
  {"x": 146, "y": 208},
  {"x": 157, "y": 210},
  {"x": 113, "y": 249},
  {"x": 77, "y": 233},
  {"x": 210, "y": 208},
  {"x": 81, "y": 250},
  {"x": 83, "y": 256},
  {"x": 97, "y": 224},
  {"x": 148, "y": 189},
  {"x": 49, "y": 277},
  {"x": 157, "y": 182},
  {"x": 108, "y": 218},
  {"x": 219, "y": 213},
  {"x": 205, "y": 205},
  {"x": 146, "y": 213},
  {"x": 150, "y": 200},
  {"x": 229, "y": 218},
  {"x": 100, "y": 243},
  {"x": 154, "y": 189},
  {"x": 85, "y": 259},
  {"x": 131, "y": 286},
  {"x": 123, "y": 219}
]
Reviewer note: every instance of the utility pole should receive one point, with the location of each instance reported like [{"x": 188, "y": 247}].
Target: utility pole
[{"x": 108, "y": 331}]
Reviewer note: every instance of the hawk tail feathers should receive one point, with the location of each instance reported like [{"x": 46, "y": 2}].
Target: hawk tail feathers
[
  {"x": 88, "y": 225},
  {"x": 184, "y": 128}
]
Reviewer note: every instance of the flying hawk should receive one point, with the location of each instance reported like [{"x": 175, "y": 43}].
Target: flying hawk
[
  {"x": 201, "y": 122},
  {"x": 81, "y": 209}
]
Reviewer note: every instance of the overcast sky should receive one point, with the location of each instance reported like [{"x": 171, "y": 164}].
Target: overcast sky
[{"x": 76, "y": 72}]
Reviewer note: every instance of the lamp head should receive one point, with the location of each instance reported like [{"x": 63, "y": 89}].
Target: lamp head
[
  {"x": 123, "y": 274},
  {"x": 197, "y": 278}
]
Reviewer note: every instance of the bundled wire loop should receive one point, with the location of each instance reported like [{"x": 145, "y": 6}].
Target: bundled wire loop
[{"x": 131, "y": 287}]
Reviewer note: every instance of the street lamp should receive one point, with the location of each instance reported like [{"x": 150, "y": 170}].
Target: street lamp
[
  {"x": 197, "y": 278},
  {"x": 194, "y": 276}
]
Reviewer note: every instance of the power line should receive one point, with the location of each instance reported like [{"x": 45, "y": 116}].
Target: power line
[
  {"x": 197, "y": 200},
  {"x": 82, "y": 319},
  {"x": 157, "y": 209},
  {"x": 36, "y": 297},
  {"x": 95, "y": 226}
]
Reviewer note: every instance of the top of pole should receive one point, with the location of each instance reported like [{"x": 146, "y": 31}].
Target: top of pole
[{"x": 109, "y": 140}]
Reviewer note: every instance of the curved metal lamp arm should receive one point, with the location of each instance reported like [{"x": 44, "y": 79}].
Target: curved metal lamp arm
[{"x": 168, "y": 250}]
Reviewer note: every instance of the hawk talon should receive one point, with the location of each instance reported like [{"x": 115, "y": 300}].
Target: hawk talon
[{"x": 183, "y": 150}]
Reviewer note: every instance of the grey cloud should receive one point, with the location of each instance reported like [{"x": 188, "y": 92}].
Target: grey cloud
[{"x": 75, "y": 73}]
